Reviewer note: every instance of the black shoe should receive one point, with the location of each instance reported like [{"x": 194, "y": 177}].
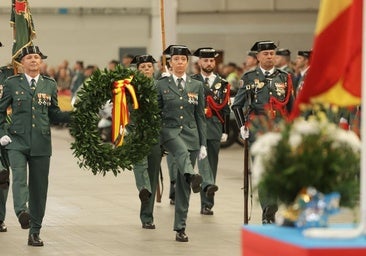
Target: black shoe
[
  {"x": 3, "y": 227},
  {"x": 148, "y": 225},
  {"x": 144, "y": 195},
  {"x": 181, "y": 236},
  {"x": 195, "y": 180},
  {"x": 210, "y": 190},
  {"x": 35, "y": 240},
  {"x": 24, "y": 220},
  {"x": 207, "y": 211}
]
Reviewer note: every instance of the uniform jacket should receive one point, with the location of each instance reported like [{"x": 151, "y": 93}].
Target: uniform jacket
[
  {"x": 32, "y": 113},
  {"x": 218, "y": 91},
  {"x": 257, "y": 91},
  {"x": 182, "y": 112}
]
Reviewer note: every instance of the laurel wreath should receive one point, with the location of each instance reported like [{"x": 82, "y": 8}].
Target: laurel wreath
[{"x": 92, "y": 153}]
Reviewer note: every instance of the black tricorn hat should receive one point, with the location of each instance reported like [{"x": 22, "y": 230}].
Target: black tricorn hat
[
  {"x": 306, "y": 54},
  {"x": 142, "y": 59},
  {"x": 252, "y": 54},
  {"x": 263, "y": 46},
  {"x": 177, "y": 50},
  {"x": 206, "y": 52},
  {"x": 31, "y": 49},
  {"x": 283, "y": 52}
]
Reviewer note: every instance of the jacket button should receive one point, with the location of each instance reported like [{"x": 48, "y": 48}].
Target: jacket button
[
  {"x": 181, "y": 127},
  {"x": 33, "y": 125},
  {"x": 181, "y": 117}
]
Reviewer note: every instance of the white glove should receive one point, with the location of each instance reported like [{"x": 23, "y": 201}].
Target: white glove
[
  {"x": 224, "y": 137},
  {"x": 244, "y": 132},
  {"x": 5, "y": 140},
  {"x": 166, "y": 72},
  {"x": 203, "y": 153}
]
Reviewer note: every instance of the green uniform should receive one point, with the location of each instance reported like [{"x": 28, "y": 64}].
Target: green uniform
[
  {"x": 217, "y": 118},
  {"x": 5, "y": 72},
  {"x": 183, "y": 132},
  {"x": 32, "y": 113},
  {"x": 146, "y": 175},
  {"x": 173, "y": 170},
  {"x": 266, "y": 96}
]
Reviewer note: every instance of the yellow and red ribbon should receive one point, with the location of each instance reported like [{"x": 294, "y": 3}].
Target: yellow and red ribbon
[{"x": 120, "y": 112}]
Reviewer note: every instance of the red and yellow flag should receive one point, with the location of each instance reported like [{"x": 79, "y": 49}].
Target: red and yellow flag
[{"x": 334, "y": 76}]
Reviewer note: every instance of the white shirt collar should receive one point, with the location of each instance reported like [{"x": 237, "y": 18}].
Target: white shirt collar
[{"x": 29, "y": 78}]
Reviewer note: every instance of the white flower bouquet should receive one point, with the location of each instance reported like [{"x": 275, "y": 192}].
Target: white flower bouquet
[{"x": 308, "y": 153}]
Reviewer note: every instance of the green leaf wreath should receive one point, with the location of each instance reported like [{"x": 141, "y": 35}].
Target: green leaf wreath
[{"x": 92, "y": 153}]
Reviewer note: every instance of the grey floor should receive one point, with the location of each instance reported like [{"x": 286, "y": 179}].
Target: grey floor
[{"x": 95, "y": 215}]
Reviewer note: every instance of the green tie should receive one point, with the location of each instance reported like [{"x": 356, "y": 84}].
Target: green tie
[
  {"x": 206, "y": 82},
  {"x": 33, "y": 84},
  {"x": 180, "y": 87}
]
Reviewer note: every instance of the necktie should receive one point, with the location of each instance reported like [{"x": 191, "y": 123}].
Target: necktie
[
  {"x": 33, "y": 84},
  {"x": 179, "y": 83},
  {"x": 266, "y": 73},
  {"x": 206, "y": 82}
]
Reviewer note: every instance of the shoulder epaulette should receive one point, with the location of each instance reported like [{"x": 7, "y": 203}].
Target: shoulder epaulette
[
  {"x": 282, "y": 71},
  {"x": 14, "y": 76},
  {"x": 163, "y": 77},
  {"x": 48, "y": 78}
]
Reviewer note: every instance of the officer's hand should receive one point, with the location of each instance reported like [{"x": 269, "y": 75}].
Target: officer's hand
[
  {"x": 166, "y": 72},
  {"x": 244, "y": 132},
  {"x": 203, "y": 153},
  {"x": 224, "y": 137},
  {"x": 5, "y": 140}
]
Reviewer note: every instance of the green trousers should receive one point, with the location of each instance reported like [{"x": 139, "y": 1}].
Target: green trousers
[
  {"x": 185, "y": 161},
  {"x": 146, "y": 175},
  {"x": 173, "y": 170},
  {"x": 208, "y": 169},
  {"x": 36, "y": 188},
  {"x": 3, "y": 197}
]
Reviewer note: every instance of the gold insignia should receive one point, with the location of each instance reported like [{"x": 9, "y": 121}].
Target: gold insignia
[
  {"x": 218, "y": 86},
  {"x": 258, "y": 84}
]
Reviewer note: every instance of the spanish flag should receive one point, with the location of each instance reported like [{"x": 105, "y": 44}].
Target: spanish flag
[
  {"x": 334, "y": 76},
  {"x": 23, "y": 28}
]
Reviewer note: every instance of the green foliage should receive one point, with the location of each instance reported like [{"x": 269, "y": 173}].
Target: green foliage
[
  {"x": 88, "y": 147},
  {"x": 315, "y": 162}
]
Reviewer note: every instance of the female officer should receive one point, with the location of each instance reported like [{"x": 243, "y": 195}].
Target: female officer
[
  {"x": 147, "y": 171},
  {"x": 183, "y": 133}
]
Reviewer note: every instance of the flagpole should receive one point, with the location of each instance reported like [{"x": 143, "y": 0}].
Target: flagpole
[{"x": 162, "y": 22}]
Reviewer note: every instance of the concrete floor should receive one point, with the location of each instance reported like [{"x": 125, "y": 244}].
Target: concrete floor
[{"x": 95, "y": 215}]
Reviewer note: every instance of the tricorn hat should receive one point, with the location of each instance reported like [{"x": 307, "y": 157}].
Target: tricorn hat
[
  {"x": 31, "y": 49},
  {"x": 1, "y": 44},
  {"x": 252, "y": 54},
  {"x": 305, "y": 53},
  {"x": 206, "y": 52},
  {"x": 283, "y": 52},
  {"x": 142, "y": 59},
  {"x": 177, "y": 50},
  {"x": 263, "y": 46}
]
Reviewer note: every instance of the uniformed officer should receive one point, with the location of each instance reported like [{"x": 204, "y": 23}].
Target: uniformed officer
[
  {"x": 266, "y": 91},
  {"x": 251, "y": 61},
  {"x": 147, "y": 171},
  {"x": 283, "y": 59},
  {"x": 303, "y": 65},
  {"x": 5, "y": 72},
  {"x": 217, "y": 98},
  {"x": 33, "y": 100},
  {"x": 183, "y": 133}
]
